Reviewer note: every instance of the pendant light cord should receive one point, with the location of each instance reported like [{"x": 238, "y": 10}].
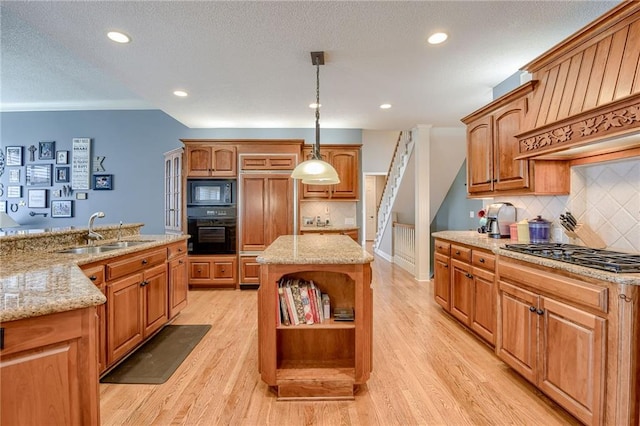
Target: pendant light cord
[{"x": 316, "y": 151}]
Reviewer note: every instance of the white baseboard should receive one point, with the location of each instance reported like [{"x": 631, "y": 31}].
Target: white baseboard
[
  {"x": 383, "y": 255},
  {"x": 409, "y": 267}
]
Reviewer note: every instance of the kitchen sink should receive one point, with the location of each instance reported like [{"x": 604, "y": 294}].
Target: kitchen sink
[{"x": 88, "y": 250}]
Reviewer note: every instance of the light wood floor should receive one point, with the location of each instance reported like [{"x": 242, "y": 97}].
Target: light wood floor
[{"x": 427, "y": 370}]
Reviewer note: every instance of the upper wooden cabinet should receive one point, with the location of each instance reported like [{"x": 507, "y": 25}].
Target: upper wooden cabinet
[
  {"x": 346, "y": 160},
  {"x": 492, "y": 148},
  {"x": 211, "y": 160}
]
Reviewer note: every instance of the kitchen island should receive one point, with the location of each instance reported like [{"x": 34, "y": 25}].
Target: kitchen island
[{"x": 328, "y": 359}]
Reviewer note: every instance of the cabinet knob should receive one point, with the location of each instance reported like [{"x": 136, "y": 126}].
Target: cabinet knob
[
  {"x": 93, "y": 278},
  {"x": 180, "y": 261},
  {"x": 532, "y": 308},
  {"x": 222, "y": 270},
  {"x": 481, "y": 260},
  {"x": 145, "y": 261},
  {"x": 199, "y": 270},
  {"x": 445, "y": 265},
  {"x": 457, "y": 251},
  {"x": 144, "y": 283},
  {"x": 540, "y": 312},
  {"x": 468, "y": 275}
]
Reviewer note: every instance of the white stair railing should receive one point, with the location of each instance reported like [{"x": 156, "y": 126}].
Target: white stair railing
[
  {"x": 404, "y": 246},
  {"x": 403, "y": 150}
]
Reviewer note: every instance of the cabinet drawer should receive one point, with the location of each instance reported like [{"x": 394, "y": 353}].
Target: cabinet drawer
[
  {"x": 483, "y": 259},
  {"x": 177, "y": 249},
  {"x": 95, "y": 273},
  {"x": 130, "y": 264},
  {"x": 443, "y": 247},
  {"x": 461, "y": 253},
  {"x": 268, "y": 162}
]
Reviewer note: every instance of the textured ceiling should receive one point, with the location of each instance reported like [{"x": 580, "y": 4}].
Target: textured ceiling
[{"x": 247, "y": 64}]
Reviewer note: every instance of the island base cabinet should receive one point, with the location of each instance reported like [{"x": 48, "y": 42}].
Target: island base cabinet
[
  {"x": 327, "y": 360},
  {"x": 49, "y": 370}
]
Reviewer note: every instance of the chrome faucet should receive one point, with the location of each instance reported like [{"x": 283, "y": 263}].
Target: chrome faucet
[
  {"x": 120, "y": 231},
  {"x": 93, "y": 235}
]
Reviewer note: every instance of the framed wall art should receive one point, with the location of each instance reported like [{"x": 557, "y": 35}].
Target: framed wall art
[
  {"x": 14, "y": 191},
  {"x": 62, "y": 157},
  {"x": 14, "y": 175},
  {"x": 39, "y": 175},
  {"x": 14, "y": 156},
  {"x": 3, "y": 206},
  {"x": 102, "y": 182},
  {"x": 62, "y": 208},
  {"x": 46, "y": 150},
  {"x": 80, "y": 163},
  {"x": 62, "y": 174},
  {"x": 37, "y": 199}
]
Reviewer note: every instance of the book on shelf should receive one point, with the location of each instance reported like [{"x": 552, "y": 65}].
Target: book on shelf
[
  {"x": 343, "y": 314},
  {"x": 301, "y": 302},
  {"x": 326, "y": 306},
  {"x": 306, "y": 305},
  {"x": 284, "y": 311}
]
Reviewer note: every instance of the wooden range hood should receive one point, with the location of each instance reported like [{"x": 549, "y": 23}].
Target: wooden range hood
[{"x": 586, "y": 104}]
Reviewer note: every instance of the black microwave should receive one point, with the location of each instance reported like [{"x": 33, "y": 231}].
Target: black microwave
[{"x": 211, "y": 192}]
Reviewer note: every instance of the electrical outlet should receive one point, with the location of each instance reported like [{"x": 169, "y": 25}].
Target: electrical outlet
[{"x": 471, "y": 214}]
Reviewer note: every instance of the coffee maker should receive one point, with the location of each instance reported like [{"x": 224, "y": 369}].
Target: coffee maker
[{"x": 499, "y": 217}]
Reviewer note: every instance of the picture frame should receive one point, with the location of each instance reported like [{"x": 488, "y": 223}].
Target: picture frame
[
  {"x": 14, "y": 176},
  {"x": 46, "y": 150},
  {"x": 37, "y": 198},
  {"x": 62, "y": 208},
  {"x": 13, "y": 156},
  {"x": 102, "y": 182},
  {"x": 38, "y": 174},
  {"x": 3, "y": 206},
  {"x": 14, "y": 191},
  {"x": 62, "y": 174},
  {"x": 81, "y": 196},
  {"x": 62, "y": 157}
]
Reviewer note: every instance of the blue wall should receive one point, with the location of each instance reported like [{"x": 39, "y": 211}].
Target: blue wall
[{"x": 133, "y": 143}]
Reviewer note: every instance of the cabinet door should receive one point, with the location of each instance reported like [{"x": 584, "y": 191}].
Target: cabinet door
[
  {"x": 572, "y": 359},
  {"x": 178, "y": 285},
  {"x": 96, "y": 275},
  {"x": 254, "y": 200},
  {"x": 346, "y": 164},
  {"x": 483, "y": 314},
  {"x": 199, "y": 161},
  {"x": 155, "y": 299},
  {"x": 507, "y": 172},
  {"x": 125, "y": 316},
  {"x": 224, "y": 161},
  {"x": 480, "y": 155},
  {"x": 279, "y": 212},
  {"x": 517, "y": 336},
  {"x": 224, "y": 270},
  {"x": 461, "y": 291},
  {"x": 315, "y": 191},
  {"x": 249, "y": 270},
  {"x": 442, "y": 281}
]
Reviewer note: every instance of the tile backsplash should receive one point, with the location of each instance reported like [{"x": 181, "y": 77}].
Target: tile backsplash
[
  {"x": 604, "y": 196},
  {"x": 339, "y": 213}
]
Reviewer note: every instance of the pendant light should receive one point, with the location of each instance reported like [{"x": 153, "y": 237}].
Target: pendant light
[{"x": 315, "y": 171}]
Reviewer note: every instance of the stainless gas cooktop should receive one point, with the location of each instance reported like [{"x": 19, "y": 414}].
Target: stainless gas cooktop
[{"x": 606, "y": 260}]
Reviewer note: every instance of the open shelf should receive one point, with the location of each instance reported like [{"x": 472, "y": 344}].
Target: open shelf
[{"x": 330, "y": 323}]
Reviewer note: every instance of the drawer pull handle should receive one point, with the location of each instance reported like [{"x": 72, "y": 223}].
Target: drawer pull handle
[
  {"x": 180, "y": 249},
  {"x": 180, "y": 261},
  {"x": 532, "y": 308},
  {"x": 468, "y": 275},
  {"x": 144, "y": 261},
  {"x": 93, "y": 278},
  {"x": 481, "y": 260},
  {"x": 445, "y": 265},
  {"x": 540, "y": 312},
  {"x": 144, "y": 283}
]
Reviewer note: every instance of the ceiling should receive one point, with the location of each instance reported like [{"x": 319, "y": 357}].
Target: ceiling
[{"x": 247, "y": 64}]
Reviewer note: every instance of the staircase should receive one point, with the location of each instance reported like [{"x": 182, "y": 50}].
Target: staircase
[{"x": 401, "y": 155}]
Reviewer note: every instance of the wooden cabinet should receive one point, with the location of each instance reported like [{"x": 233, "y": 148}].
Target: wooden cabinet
[
  {"x": 353, "y": 233},
  {"x": 173, "y": 191},
  {"x": 326, "y": 360},
  {"x": 492, "y": 147},
  {"x": 213, "y": 271},
  {"x": 346, "y": 160},
  {"x": 211, "y": 160},
  {"x": 464, "y": 286},
  {"x": 95, "y": 272},
  {"x": 267, "y": 207},
  {"x": 178, "y": 282},
  {"x": 249, "y": 270},
  {"x": 273, "y": 161},
  {"x": 557, "y": 345},
  {"x": 137, "y": 300},
  {"x": 49, "y": 370}
]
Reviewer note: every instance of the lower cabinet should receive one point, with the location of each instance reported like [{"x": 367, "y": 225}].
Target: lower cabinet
[
  {"x": 60, "y": 351},
  {"x": 249, "y": 271},
  {"x": 213, "y": 271},
  {"x": 557, "y": 346},
  {"x": 178, "y": 282},
  {"x": 95, "y": 272},
  {"x": 137, "y": 307}
]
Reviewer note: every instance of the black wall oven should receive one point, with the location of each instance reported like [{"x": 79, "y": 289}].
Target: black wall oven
[{"x": 212, "y": 230}]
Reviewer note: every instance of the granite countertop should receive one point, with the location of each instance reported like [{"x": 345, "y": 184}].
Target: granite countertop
[
  {"x": 42, "y": 283},
  {"x": 474, "y": 238},
  {"x": 315, "y": 249},
  {"x": 313, "y": 228}
]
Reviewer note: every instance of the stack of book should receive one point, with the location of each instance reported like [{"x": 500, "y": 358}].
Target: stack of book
[{"x": 301, "y": 302}]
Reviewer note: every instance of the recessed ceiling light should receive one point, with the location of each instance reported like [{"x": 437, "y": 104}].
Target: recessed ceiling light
[
  {"x": 118, "y": 37},
  {"x": 180, "y": 93},
  {"x": 313, "y": 105},
  {"x": 437, "y": 38},
  {"x": 385, "y": 106}
]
